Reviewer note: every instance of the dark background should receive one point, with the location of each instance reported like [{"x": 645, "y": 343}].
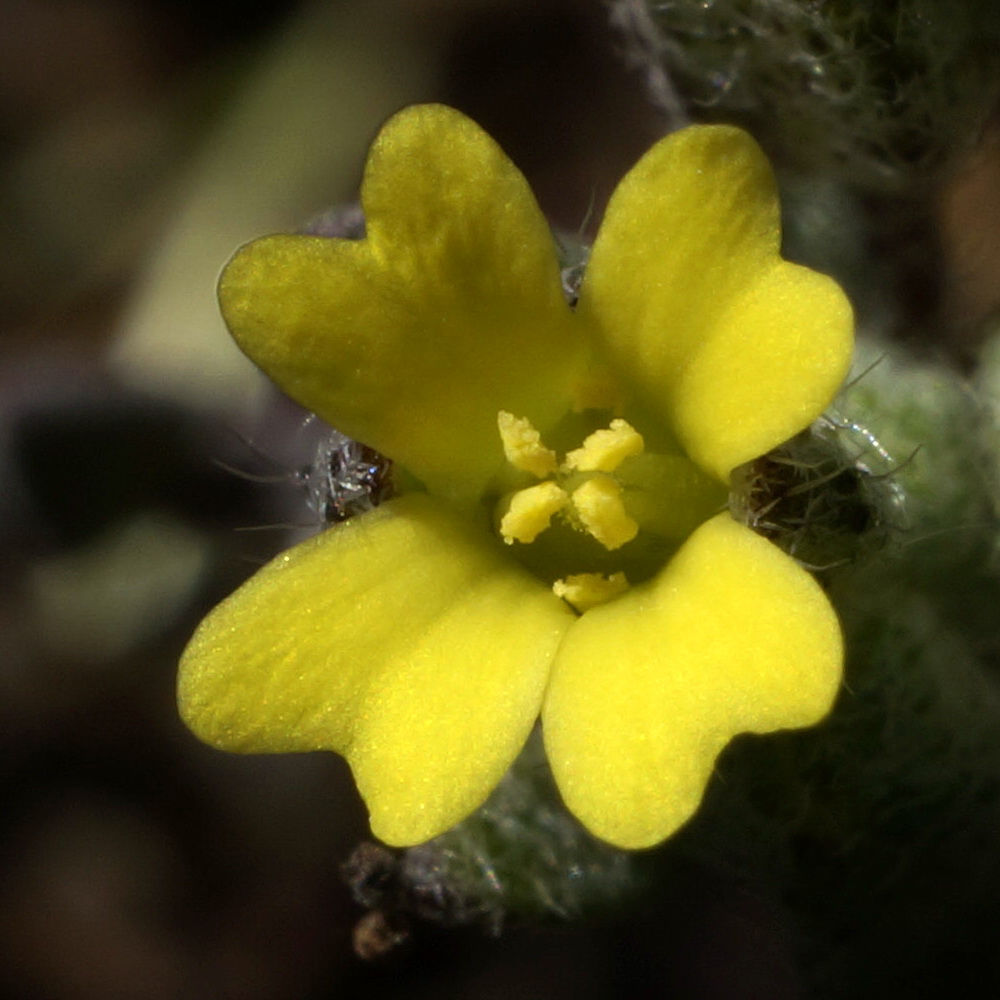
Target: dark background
[{"x": 136, "y": 862}]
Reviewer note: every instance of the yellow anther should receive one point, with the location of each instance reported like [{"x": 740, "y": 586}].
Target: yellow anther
[
  {"x": 530, "y": 512},
  {"x": 522, "y": 445},
  {"x": 598, "y": 504},
  {"x": 604, "y": 450},
  {"x": 586, "y": 590}
]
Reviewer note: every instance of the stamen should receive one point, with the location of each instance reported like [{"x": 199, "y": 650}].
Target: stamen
[
  {"x": 530, "y": 512},
  {"x": 604, "y": 450},
  {"x": 522, "y": 444},
  {"x": 586, "y": 590},
  {"x": 598, "y": 504}
]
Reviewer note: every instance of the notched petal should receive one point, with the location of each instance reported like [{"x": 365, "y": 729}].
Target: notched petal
[
  {"x": 735, "y": 349},
  {"x": 388, "y": 639},
  {"x": 449, "y": 311},
  {"x": 732, "y": 637}
]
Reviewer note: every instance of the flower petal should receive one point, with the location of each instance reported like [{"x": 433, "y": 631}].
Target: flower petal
[
  {"x": 388, "y": 639},
  {"x": 735, "y": 347},
  {"x": 732, "y": 637},
  {"x": 773, "y": 362},
  {"x": 413, "y": 339}
]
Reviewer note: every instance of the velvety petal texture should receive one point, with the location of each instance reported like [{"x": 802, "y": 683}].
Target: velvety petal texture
[
  {"x": 411, "y": 639},
  {"x": 732, "y": 637},
  {"x": 413, "y": 339},
  {"x": 389, "y": 640},
  {"x": 734, "y": 348}
]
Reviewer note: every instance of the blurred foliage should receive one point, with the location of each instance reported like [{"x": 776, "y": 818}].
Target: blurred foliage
[{"x": 875, "y": 91}]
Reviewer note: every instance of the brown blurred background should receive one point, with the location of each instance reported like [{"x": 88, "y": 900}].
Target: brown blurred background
[{"x": 140, "y": 142}]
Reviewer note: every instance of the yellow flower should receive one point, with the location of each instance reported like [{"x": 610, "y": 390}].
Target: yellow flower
[{"x": 567, "y": 552}]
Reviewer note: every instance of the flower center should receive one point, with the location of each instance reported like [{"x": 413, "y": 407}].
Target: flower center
[
  {"x": 582, "y": 489},
  {"x": 602, "y": 494}
]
